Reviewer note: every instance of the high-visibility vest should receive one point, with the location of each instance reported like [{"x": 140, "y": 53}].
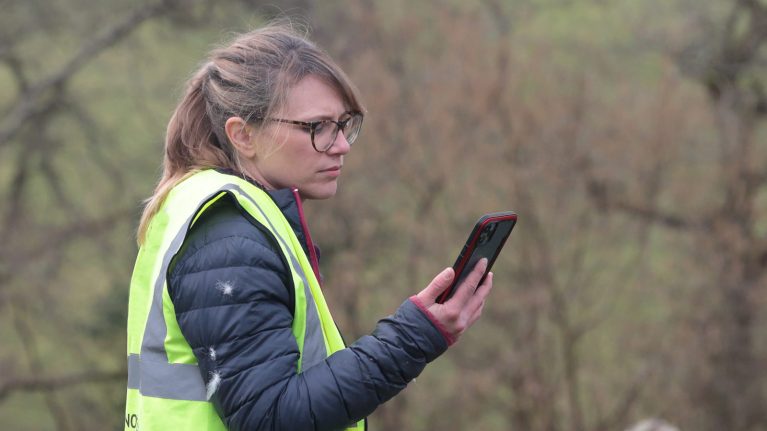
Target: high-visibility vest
[{"x": 165, "y": 387}]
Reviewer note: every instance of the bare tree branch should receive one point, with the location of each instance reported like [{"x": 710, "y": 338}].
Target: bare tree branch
[
  {"x": 738, "y": 47},
  {"x": 53, "y": 383},
  {"x": 624, "y": 405},
  {"x": 14, "y": 64},
  {"x": 14, "y": 200},
  {"x": 33, "y": 101},
  {"x": 29, "y": 344},
  {"x": 607, "y": 200},
  {"x": 95, "y": 143},
  {"x": 65, "y": 233},
  {"x": 54, "y": 180}
]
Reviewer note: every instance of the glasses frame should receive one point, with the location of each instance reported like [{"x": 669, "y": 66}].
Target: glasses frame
[{"x": 312, "y": 126}]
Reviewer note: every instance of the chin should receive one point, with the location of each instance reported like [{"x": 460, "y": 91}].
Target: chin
[{"x": 324, "y": 191}]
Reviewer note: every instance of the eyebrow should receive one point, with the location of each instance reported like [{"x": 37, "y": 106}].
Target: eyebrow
[{"x": 325, "y": 116}]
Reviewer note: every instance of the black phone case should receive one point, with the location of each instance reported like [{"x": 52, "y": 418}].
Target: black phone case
[{"x": 481, "y": 244}]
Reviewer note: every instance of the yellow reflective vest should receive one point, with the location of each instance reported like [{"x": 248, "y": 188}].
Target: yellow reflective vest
[{"x": 166, "y": 390}]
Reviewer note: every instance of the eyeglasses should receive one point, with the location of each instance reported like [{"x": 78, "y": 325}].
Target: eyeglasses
[{"x": 325, "y": 132}]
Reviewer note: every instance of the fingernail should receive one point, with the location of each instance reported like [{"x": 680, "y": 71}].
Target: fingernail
[{"x": 447, "y": 273}]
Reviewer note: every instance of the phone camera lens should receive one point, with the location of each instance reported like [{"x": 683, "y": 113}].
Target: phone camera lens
[{"x": 487, "y": 233}]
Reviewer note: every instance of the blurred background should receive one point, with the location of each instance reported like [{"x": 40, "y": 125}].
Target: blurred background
[{"x": 629, "y": 136}]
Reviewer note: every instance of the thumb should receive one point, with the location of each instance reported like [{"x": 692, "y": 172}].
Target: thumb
[{"x": 437, "y": 286}]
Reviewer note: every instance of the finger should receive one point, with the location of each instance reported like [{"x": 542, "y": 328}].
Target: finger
[
  {"x": 438, "y": 285},
  {"x": 477, "y": 302},
  {"x": 476, "y": 314},
  {"x": 467, "y": 287},
  {"x": 487, "y": 285},
  {"x": 478, "y": 299}
]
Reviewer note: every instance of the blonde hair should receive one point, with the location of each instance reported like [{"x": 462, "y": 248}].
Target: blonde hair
[{"x": 249, "y": 78}]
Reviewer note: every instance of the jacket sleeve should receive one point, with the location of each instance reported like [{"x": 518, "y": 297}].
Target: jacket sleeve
[{"x": 232, "y": 299}]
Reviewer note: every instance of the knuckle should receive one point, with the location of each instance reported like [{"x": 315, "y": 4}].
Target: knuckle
[
  {"x": 452, "y": 315},
  {"x": 460, "y": 327},
  {"x": 471, "y": 283}
]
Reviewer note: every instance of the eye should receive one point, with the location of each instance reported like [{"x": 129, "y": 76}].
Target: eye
[
  {"x": 320, "y": 127},
  {"x": 345, "y": 122}
]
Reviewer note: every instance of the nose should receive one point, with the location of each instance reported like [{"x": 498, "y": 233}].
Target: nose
[{"x": 340, "y": 146}]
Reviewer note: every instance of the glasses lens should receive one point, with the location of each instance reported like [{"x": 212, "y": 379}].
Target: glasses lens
[
  {"x": 324, "y": 135},
  {"x": 353, "y": 127},
  {"x": 326, "y": 132}
]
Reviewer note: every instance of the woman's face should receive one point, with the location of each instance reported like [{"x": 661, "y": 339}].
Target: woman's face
[{"x": 290, "y": 160}]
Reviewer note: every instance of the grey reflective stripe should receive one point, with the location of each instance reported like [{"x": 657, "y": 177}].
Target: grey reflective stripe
[
  {"x": 164, "y": 380},
  {"x": 314, "y": 350},
  {"x": 134, "y": 371}
]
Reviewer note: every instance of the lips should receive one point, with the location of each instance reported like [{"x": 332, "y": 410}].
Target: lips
[{"x": 332, "y": 169}]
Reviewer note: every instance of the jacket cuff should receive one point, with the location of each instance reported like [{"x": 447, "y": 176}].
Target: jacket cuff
[{"x": 433, "y": 320}]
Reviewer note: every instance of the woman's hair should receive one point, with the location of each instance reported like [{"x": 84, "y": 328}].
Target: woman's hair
[{"x": 250, "y": 78}]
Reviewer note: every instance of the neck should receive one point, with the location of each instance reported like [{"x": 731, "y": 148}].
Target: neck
[{"x": 254, "y": 175}]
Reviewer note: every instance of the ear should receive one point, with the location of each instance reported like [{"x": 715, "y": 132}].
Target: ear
[{"x": 241, "y": 134}]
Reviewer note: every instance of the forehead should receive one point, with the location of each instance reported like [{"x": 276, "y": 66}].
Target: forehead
[{"x": 313, "y": 96}]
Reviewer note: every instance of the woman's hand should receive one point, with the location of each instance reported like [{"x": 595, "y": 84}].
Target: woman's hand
[{"x": 458, "y": 313}]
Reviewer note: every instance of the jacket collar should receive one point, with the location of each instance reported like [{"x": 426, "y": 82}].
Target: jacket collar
[{"x": 285, "y": 201}]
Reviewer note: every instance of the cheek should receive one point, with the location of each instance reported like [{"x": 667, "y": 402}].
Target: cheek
[{"x": 300, "y": 168}]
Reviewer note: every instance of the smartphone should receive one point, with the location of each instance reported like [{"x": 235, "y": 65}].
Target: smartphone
[{"x": 486, "y": 240}]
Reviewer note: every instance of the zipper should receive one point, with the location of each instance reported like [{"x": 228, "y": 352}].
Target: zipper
[{"x": 309, "y": 244}]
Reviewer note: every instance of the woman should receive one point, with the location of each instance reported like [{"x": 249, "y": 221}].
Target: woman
[{"x": 227, "y": 325}]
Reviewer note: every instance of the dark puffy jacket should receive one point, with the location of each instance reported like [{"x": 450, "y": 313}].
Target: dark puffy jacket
[{"x": 233, "y": 298}]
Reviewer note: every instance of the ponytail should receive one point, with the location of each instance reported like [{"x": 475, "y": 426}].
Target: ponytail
[{"x": 190, "y": 146}]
